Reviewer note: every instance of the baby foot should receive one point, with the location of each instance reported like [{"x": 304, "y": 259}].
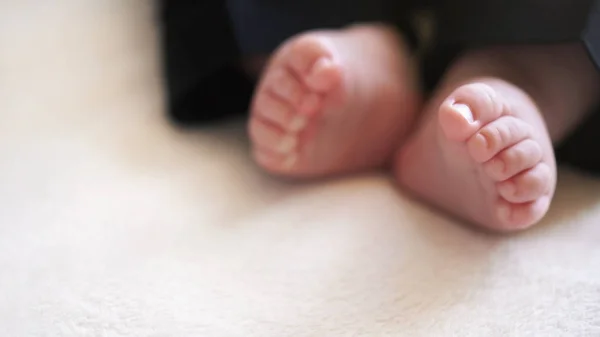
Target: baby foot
[
  {"x": 483, "y": 154},
  {"x": 333, "y": 102}
]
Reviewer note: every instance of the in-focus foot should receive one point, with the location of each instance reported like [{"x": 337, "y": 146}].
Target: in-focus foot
[
  {"x": 483, "y": 152},
  {"x": 333, "y": 102}
]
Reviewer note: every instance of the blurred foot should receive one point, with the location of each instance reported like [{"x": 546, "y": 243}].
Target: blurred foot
[{"x": 334, "y": 102}]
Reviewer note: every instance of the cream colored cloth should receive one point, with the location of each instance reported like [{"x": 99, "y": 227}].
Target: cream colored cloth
[{"x": 115, "y": 223}]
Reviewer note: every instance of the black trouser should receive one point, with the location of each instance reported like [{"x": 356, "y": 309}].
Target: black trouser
[
  {"x": 200, "y": 49},
  {"x": 203, "y": 39}
]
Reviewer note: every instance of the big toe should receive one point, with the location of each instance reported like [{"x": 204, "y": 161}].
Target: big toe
[{"x": 469, "y": 108}]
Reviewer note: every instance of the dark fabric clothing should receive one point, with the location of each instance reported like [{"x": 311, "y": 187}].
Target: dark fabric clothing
[
  {"x": 203, "y": 39},
  {"x": 199, "y": 50},
  {"x": 467, "y": 24},
  {"x": 476, "y": 22},
  {"x": 191, "y": 30},
  {"x": 262, "y": 25}
]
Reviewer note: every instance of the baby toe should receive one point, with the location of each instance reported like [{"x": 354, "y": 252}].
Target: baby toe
[
  {"x": 324, "y": 76},
  {"x": 527, "y": 186},
  {"x": 271, "y": 138},
  {"x": 274, "y": 162},
  {"x": 272, "y": 109},
  {"x": 514, "y": 217},
  {"x": 513, "y": 160},
  {"x": 469, "y": 108},
  {"x": 304, "y": 52},
  {"x": 497, "y": 136},
  {"x": 283, "y": 84}
]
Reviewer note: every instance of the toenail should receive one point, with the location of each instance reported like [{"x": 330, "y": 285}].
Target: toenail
[
  {"x": 310, "y": 104},
  {"x": 298, "y": 123},
  {"x": 290, "y": 161},
  {"x": 465, "y": 111},
  {"x": 482, "y": 140},
  {"x": 287, "y": 144},
  {"x": 323, "y": 63}
]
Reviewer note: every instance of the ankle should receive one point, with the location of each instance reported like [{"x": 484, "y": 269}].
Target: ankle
[
  {"x": 560, "y": 79},
  {"x": 563, "y": 82}
]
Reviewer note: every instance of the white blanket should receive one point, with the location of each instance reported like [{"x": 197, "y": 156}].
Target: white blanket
[{"x": 115, "y": 223}]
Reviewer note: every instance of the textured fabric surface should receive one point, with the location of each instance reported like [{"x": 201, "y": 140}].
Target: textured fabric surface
[{"x": 114, "y": 223}]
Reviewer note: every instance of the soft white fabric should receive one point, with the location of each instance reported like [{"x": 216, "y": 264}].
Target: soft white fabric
[{"x": 115, "y": 223}]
